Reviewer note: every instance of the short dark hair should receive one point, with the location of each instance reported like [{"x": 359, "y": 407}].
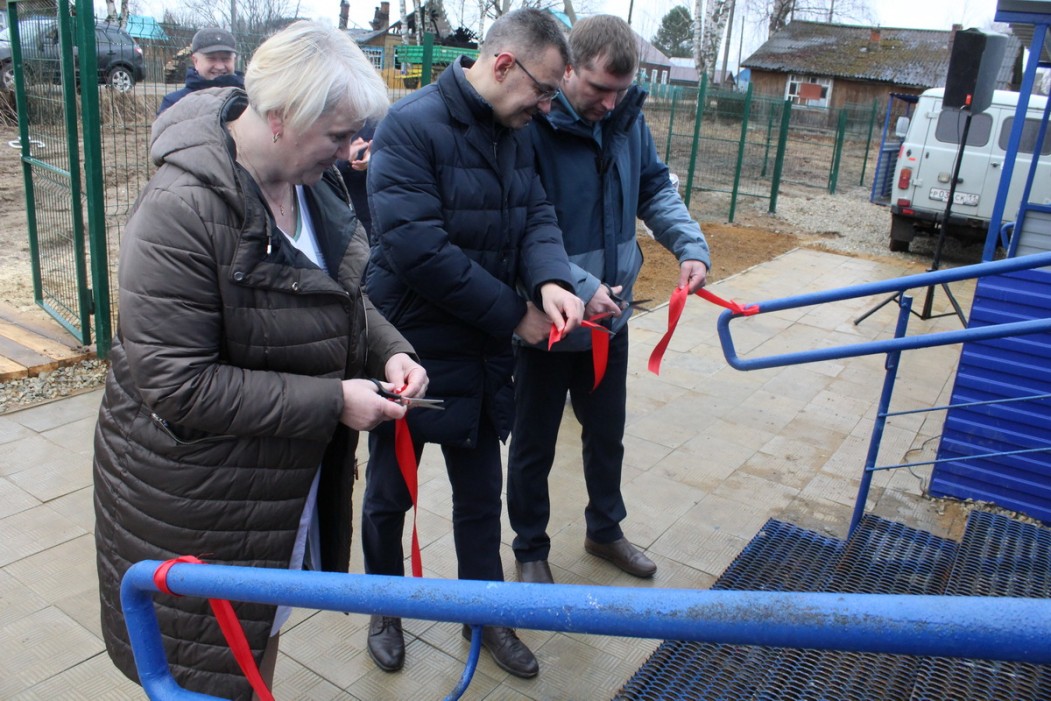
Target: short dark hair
[
  {"x": 605, "y": 35},
  {"x": 526, "y": 32}
]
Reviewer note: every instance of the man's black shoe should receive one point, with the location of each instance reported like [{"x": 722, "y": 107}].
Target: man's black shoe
[
  {"x": 536, "y": 572},
  {"x": 624, "y": 555},
  {"x": 509, "y": 653},
  {"x": 386, "y": 644}
]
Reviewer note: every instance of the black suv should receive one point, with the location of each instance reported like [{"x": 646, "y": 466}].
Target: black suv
[{"x": 119, "y": 57}]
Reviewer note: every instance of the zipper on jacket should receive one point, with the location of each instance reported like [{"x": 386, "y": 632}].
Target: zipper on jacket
[{"x": 166, "y": 427}]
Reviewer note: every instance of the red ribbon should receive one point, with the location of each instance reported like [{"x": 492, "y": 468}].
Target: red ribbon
[
  {"x": 228, "y": 624},
  {"x": 599, "y": 345},
  {"x": 675, "y": 306},
  {"x": 406, "y": 455}
]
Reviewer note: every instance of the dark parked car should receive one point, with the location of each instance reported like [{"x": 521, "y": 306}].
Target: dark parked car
[{"x": 119, "y": 57}]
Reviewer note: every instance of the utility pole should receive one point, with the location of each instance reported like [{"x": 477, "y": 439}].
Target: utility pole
[{"x": 726, "y": 48}]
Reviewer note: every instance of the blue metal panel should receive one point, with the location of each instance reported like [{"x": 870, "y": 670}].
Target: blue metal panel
[{"x": 1002, "y": 369}]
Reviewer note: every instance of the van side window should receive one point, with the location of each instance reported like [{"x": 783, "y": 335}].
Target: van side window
[
  {"x": 1029, "y": 133},
  {"x": 950, "y": 127}
]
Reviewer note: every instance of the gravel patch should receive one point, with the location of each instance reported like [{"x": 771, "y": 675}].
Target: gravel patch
[{"x": 54, "y": 384}]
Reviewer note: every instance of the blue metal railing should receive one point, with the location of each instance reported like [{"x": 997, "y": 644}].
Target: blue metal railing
[
  {"x": 893, "y": 346},
  {"x": 1009, "y": 629}
]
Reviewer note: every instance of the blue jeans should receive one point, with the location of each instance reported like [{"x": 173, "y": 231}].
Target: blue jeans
[{"x": 542, "y": 379}]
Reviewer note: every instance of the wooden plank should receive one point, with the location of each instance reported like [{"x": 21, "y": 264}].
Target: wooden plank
[
  {"x": 39, "y": 322},
  {"x": 10, "y": 370},
  {"x": 39, "y": 344}
]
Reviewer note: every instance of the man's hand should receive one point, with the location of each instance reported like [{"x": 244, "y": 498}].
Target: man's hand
[
  {"x": 563, "y": 308},
  {"x": 692, "y": 275},
  {"x": 361, "y": 160},
  {"x": 602, "y": 301},
  {"x": 534, "y": 327},
  {"x": 404, "y": 372}
]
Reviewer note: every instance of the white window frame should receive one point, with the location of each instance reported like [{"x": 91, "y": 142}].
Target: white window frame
[
  {"x": 375, "y": 55},
  {"x": 793, "y": 82}
]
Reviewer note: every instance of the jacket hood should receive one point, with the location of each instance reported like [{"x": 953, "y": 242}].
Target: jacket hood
[{"x": 191, "y": 135}]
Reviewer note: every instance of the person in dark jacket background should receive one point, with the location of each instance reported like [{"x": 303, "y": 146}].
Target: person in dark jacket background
[
  {"x": 214, "y": 55},
  {"x": 355, "y": 172},
  {"x": 461, "y": 223},
  {"x": 238, "y": 379},
  {"x": 597, "y": 120}
]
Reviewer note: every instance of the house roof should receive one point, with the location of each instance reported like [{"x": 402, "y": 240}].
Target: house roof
[
  {"x": 907, "y": 57},
  {"x": 650, "y": 54},
  {"x": 683, "y": 70}
]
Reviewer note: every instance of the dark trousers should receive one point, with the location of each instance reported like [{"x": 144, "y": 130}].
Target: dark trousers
[
  {"x": 476, "y": 475},
  {"x": 542, "y": 379}
]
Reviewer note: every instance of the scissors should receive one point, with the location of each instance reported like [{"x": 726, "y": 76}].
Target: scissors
[
  {"x": 408, "y": 402},
  {"x": 625, "y": 304}
]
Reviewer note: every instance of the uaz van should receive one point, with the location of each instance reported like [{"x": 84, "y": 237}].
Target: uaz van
[{"x": 925, "y": 165}]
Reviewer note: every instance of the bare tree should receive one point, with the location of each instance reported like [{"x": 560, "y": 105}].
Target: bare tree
[
  {"x": 708, "y": 35},
  {"x": 248, "y": 17},
  {"x": 780, "y": 12}
]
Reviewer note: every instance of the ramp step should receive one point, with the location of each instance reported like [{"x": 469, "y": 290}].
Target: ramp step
[
  {"x": 781, "y": 557},
  {"x": 880, "y": 557},
  {"x": 998, "y": 556}
]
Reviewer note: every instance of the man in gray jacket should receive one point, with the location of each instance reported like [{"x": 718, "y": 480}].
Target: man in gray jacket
[{"x": 600, "y": 168}]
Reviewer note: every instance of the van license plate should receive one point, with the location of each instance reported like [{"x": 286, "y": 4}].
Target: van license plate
[{"x": 958, "y": 197}]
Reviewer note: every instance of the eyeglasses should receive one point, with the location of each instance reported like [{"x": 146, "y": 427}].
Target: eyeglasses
[{"x": 544, "y": 91}]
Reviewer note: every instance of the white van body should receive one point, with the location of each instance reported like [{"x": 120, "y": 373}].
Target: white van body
[{"x": 925, "y": 164}]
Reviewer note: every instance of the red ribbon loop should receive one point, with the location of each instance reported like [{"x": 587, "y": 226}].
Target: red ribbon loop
[
  {"x": 675, "y": 306},
  {"x": 231, "y": 628}
]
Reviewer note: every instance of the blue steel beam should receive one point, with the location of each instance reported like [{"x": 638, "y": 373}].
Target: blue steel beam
[{"x": 1010, "y": 629}]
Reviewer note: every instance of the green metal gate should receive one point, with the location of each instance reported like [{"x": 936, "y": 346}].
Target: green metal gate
[{"x": 51, "y": 106}]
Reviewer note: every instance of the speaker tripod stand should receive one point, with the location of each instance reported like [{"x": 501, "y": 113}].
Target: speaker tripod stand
[{"x": 928, "y": 302}]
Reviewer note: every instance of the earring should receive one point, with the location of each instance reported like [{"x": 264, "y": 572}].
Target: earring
[{"x": 277, "y": 135}]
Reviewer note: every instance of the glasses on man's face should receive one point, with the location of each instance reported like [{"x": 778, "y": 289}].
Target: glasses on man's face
[{"x": 544, "y": 91}]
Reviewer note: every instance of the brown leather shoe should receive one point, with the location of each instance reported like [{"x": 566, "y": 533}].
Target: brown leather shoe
[
  {"x": 386, "y": 644},
  {"x": 536, "y": 572},
  {"x": 624, "y": 555},
  {"x": 509, "y": 653}
]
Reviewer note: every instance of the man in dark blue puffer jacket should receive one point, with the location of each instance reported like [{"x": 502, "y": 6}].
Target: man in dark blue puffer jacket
[{"x": 461, "y": 226}]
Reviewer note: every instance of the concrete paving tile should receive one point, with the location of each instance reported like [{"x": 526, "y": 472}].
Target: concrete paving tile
[
  {"x": 76, "y": 436},
  {"x": 733, "y": 517},
  {"x": 17, "y": 600},
  {"x": 95, "y": 679},
  {"x": 55, "y": 478},
  {"x": 726, "y": 454},
  {"x": 11, "y": 430},
  {"x": 835, "y": 488},
  {"x": 654, "y": 503},
  {"x": 39, "y": 646},
  {"x": 78, "y": 507},
  {"x": 588, "y": 666},
  {"x": 32, "y": 531},
  {"x": 332, "y": 644},
  {"x": 821, "y": 515},
  {"x": 30, "y": 451},
  {"x": 638, "y": 453},
  {"x": 14, "y": 499},
  {"x": 60, "y": 412},
  {"x": 744, "y": 487},
  {"x": 296, "y": 682},
  {"x": 767, "y": 412},
  {"x": 64, "y": 570}
]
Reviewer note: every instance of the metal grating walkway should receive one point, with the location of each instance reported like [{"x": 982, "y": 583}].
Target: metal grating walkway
[{"x": 998, "y": 556}]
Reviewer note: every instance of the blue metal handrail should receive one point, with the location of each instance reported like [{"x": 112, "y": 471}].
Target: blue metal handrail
[
  {"x": 899, "y": 343},
  {"x": 1009, "y": 629}
]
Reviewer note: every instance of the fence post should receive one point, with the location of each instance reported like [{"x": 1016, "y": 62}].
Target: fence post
[
  {"x": 766, "y": 147},
  {"x": 671, "y": 124},
  {"x": 696, "y": 136},
  {"x": 779, "y": 159},
  {"x": 91, "y": 124},
  {"x": 428, "y": 59},
  {"x": 837, "y": 151},
  {"x": 746, "y": 114},
  {"x": 868, "y": 140}
]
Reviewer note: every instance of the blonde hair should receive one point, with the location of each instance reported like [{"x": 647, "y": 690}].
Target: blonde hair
[{"x": 308, "y": 69}]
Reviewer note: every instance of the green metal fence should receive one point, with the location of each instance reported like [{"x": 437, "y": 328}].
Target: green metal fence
[{"x": 728, "y": 148}]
